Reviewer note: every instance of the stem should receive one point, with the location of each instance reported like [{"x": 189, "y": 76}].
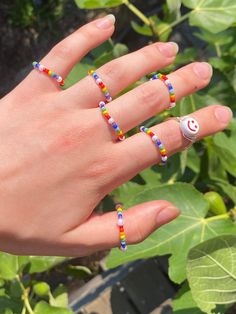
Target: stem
[
  {"x": 218, "y": 217},
  {"x": 25, "y": 298},
  {"x": 137, "y": 12},
  {"x": 180, "y": 20},
  {"x": 218, "y": 50}
]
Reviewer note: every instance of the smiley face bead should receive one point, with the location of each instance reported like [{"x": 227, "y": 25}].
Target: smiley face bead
[{"x": 189, "y": 127}]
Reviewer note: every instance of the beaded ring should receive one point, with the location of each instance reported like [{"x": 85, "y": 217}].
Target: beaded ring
[
  {"x": 158, "y": 143},
  {"x": 120, "y": 224},
  {"x": 101, "y": 84},
  {"x": 111, "y": 121},
  {"x": 167, "y": 82},
  {"x": 43, "y": 69}
]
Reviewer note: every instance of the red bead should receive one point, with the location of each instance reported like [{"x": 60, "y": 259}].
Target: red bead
[
  {"x": 121, "y": 228},
  {"x": 151, "y": 134},
  {"x": 107, "y": 116},
  {"x": 45, "y": 70},
  {"x": 102, "y": 85},
  {"x": 164, "y": 77},
  {"x": 62, "y": 83}
]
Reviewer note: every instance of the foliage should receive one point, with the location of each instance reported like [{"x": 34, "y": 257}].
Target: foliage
[
  {"x": 207, "y": 198},
  {"x": 200, "y": 181},
  {"x": 35, "y": 12}
]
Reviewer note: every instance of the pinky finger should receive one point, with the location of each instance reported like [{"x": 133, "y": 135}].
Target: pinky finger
[{"x": 101, "y": 232}]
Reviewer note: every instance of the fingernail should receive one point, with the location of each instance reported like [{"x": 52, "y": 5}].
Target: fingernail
[
  {"x": 167, "y": 214},
  {"x": 203, "y": 69},
  {"x": 223, "y": 114},
  {"x": 169, "y": 49},
  {"x": 106, "y": 22}
]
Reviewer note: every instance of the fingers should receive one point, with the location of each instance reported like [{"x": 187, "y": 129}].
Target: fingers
[
  {"x": 139, "y": 152},
  {"x": 73, "y": 48},
  {"x": 153, "y": 97},
  {"x": 122, "y": 72},
  {"x": 101, "y": 232}
]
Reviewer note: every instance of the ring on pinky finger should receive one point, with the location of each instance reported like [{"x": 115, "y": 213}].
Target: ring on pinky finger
[{"x": 158, "y": 143}]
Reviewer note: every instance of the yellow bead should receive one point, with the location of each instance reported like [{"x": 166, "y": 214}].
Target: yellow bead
[
  {"x": 104, "y": 89},
  {"x": 148, "y": 131},
  {"x": 163, "y": 150},
  {"x": 91, "y": 72},
  {"x": 119, "y": 209},
  {"x": 50, "y": 72}
]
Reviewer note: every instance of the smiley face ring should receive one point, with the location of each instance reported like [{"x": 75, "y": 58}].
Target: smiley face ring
[{"x": 189, "y": 127}]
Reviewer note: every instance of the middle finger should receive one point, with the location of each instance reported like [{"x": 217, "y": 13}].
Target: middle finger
[{"x": 120, "y": 73}]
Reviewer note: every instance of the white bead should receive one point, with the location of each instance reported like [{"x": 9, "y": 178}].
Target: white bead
[
  {"x": 167, "y": 82},
  {"x": 123, "y": 248},
  {"x": 190, "y": 127},
  {"x": 164, "y": 158},
  {"x": 59, "y": 79},
  {"x": 154, "y": 138},
  {"x": 98, "y": 81},
  {"x": 172, "y": 104},
  {"x": 41, "y": 67},
  {"x": 120, "y": 222},
  {"x": 111, "y": 120}
]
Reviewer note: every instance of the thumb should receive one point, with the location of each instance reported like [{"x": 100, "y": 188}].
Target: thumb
[{"x": 100, "y": 232}]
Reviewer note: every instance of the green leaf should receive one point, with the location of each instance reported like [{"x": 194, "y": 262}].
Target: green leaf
[
  {"x": 79, "y": 71},
  {"x": 174, "y": 7},
  {"x": 97, "y": 4},
  {"x": 213, "y": 15},
  {"x": 184, "y": 303},
  {"x": 61, "y": 296},
  {"x": 211, "y": 272},
  {"x": 142, "y": 30},
  {"x": 219, "y": 39},
  {"x": 8, "y": 266},
  {"x": 45, "y": 308},
  {"x": 43, "y": 263},
  {"x": 180, "y": 235},
  {"x": 78, "y": 271},
  {"x": 225, "y": 148}
]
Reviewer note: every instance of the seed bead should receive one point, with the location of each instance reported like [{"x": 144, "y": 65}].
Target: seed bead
[
  {"x": 111, "y": 121},
  {"x": 120, "y": 223},
  {"x": 167, "y": 82},
  {"x": 158, "y": 143},
  {"x": 100, "y": 84},
  {"x": 43, "y": 69}
]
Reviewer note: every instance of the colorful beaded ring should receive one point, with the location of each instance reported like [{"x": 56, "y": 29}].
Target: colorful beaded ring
[
  {"x": 101, "y": 84},
  {"x": 167, "y": 82},
  {"x": 158, "y": 143},
  {"x": 120, "y": 223},
  {"x": 43, "y": 69},
  {"x": 111, "y": 121}
]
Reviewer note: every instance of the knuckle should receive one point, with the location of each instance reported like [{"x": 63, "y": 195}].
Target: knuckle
[
  {"x": 147, "y": 95},
  {"x": 62, "y": 50},
  {"x": 113, "y": 70},
  {"x": 139, "y": 233}
]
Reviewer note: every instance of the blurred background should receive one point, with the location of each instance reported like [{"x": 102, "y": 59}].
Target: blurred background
[{"x": 159, "y": 275}]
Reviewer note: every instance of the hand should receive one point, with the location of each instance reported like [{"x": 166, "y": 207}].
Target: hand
[{"x": 59, "y": 157}]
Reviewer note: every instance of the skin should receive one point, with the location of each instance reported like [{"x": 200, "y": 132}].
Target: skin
[{"x": 59, "y": 157}]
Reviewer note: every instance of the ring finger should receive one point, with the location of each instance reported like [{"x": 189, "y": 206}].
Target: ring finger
[{"x": 139, "y": 152}]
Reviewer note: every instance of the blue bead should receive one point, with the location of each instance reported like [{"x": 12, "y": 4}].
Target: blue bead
[
  {"x": 158, "y": 142},
  {"x": 95, "y": 74}
]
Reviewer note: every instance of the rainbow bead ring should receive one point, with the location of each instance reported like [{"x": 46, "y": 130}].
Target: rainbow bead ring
[
  {"x": 43, "y": 69},
  {"x": 189, "y": 127},
  {"x": 167, "y": 82},
  {"x": 111, "y": 121},
  {"x": 158, "y": 143},
  {"x": 100, "y": 84},
  {"x": 120, "y": 224}
]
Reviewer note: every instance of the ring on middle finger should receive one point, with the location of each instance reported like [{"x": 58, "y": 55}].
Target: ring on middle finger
[{"x": 168, "y": 84}]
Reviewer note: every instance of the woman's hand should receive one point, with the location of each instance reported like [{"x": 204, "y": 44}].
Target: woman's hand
[{"x": 59, "y": 157}]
